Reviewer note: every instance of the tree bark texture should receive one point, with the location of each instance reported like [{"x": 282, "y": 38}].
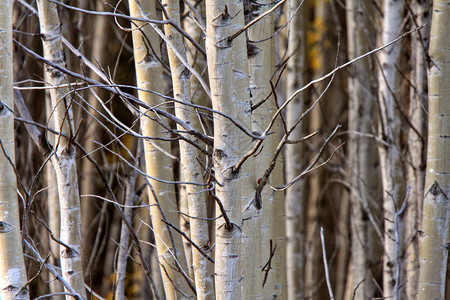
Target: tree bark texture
[
  {"x": 363, "y": 157},
  {"x": 227, "y": 68},
  {"x": 158, "y": 164},
  {"x": 64, "y": 157},
  {"x": 390, "y": 129},
  {"x": 435, "y": 233},
  {"x": 192, "y": 170},
  {"x": 13, "y": 276}
]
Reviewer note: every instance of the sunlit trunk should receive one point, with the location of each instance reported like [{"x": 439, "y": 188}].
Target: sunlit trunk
[
  {"x": 227, "y": 67},
  {"x": 190, "y": 157},
  {"x": 435, "y": 231},
  {"x": 64, "y": 158},
  {"x": 158, "y": 164},
  {"x": 13, "y": 276},
  {"x": 389, "y": 132}
]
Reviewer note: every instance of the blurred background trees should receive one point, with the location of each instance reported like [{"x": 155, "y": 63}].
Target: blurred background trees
[{"x": 212, "y": 140}]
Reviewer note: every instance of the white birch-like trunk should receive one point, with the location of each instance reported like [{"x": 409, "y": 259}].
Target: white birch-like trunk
[
  {"x": 194, "y": 57},
  {"x": 260, "y": 72},
  {"x": 13, "y": 276},
  {"x": 227, "y": 67},
  {"x": 362, "y": 154},
  {"x": 64, "y": 158},
  {"x": 435, "y": 236},
  {"x": 157, "y": 164},
  {"x": 54, "y": 217},
  {"x": 191, "y": 169},
  {"x": 393, "y": 180}
]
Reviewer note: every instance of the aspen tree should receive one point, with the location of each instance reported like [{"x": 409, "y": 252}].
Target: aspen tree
[
  {"x": 416, "y": 145},
  {"x": 64, "y": 158},
  {"x": 435, "y": 231},
  {"x": 54, "y": 216},
  {"x": 157, "y": 164},
  {"x": 362, "y": 155},
  {"x": 260, "y": 72},
  {"x": 266, "y": 223},
  {"x": 191, "y": 168},
  {"x": 227, "y": 69},
  {"x": 389, "y": 131},
  {"x": 13, "y": 277}
]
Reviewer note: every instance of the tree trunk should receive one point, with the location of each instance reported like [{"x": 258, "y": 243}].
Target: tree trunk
[
  {"x": 390, "y": 130},
  {"x": 435, "y": 234},
  {"x": 191, "y": 169},
  {"x": 227, "y": 67},
  {"x": 295, "y": 206},
  {"x": 257, "y": 235},
  {"x": 13, "y": 276},
  {"x": 363, "y": 159},
  {"x": 123, "y": 252},
  {"x": 64, "y": 158},
  {"x": 54, "y": 217},
  {"x": 416, "y": 155},
  {"x": 158, "y": 164}
]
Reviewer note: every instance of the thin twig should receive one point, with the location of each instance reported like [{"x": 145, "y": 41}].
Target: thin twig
[
  {"x": 184, "y": 235},
  {"x": 325, "y": 264},
  {"x": 51, "y": 270}
]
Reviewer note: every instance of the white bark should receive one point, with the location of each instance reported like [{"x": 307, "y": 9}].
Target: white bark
[
  {"x": 157, "y": 164},
  {"x": 227, "y": 67},
  {"x": 390, "y": 154},
  {"x": 12, "y": 269},
  {"x": 64, "y": 158},
  {"x": 435, "y": 236},
  {"x": 260, "y": 71},
  {"x": 191, "y": 169},
  {"x": 54, "y": 217}
]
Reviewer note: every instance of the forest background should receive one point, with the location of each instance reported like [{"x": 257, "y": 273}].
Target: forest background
[{"x": 224, "y": 149}]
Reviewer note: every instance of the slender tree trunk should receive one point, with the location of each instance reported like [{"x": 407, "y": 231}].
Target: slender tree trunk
[
  {"x": 260, "y": 64},
  {"x": 185, "y": 222},
  {"x": 435, "y": 235},
  {"x": 390, "y": 129},
  {"x": 54, "y": 217},
  {"x": 192, "y": 25},
  {"x": 416, "y": 159},
  {"x": 157, "y": 164},
  {"x": 227, "y": 67},
  {"x": 364, "y": 182},
  {"x": 122, "y": 257},
  {"x": 64, "y": 158},
  {"x": 277, "y": 199},
  {"x": 191, "y": 169},
  {"x": 295, "y": 208},
  {"x": 13, "y": 276}
]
